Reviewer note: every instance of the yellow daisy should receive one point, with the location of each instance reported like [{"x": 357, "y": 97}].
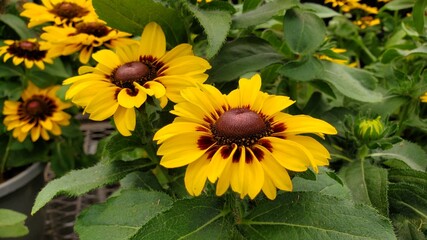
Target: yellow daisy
[
  {"x": 59, "y": 12},
  {"x": 423, "y": 98},
  {"x": 242, "y": 140},
  {"x": 38, "y": 113},
  {"x": 27, "y": 51},
  {"x": 84, "y": 37},
  {"x": 121, "y": 80}
]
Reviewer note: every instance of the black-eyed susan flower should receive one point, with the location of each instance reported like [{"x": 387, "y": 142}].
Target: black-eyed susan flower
[
  {"x": 59, "y": 12},
  {"x": 423, "y": 98},
  {"x": 242, "y": 140},
  {"x": 30, "y": 52},
  {"x": 83, "y": 37},
  {"x": 121, "y": 80},
  {"x": 38, "y": 113}
]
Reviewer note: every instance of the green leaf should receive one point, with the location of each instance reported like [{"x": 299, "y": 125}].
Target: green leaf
[
  {"x": 118, "y": 147},
  {"x": 320, "y": 10},
  {"x": 409, "y": 176},
  {"x": 351, "y": 82},
  {"x": 250, "y": 5},
  {"x": 418, "y": 14},
  {"x": 121, "y": 216},
  {"x": 18, "y": 25},
  {"x": 368, "y": 184},
  {"x": 132, "y": 15},
  {"x": 303, "y": 70},
  {"x": 304, "y": 32},
  {"x": 408, "y": 193},
  {"x": 196, "y": 218},
  {"x": 78, "y": 182},
  {"x": 409, "y": 200},
  {"x": 324, "y": 184},
  {"x": 407, "y": 229},
  {"x": 242, "y": 56},
  {"x": 314, "y": 216},
  {"x": 12, "y": 224},
  {"x": 397, "y": 5},
  {"x": 216, "y": 25},
  {"x": 9, "y": 70},
  {"x": 410, "y": 153},
  {"x": 263, "y": 13}
]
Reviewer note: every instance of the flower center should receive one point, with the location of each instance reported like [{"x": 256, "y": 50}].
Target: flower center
[
  {"x": 26, "y": 49},
  {"x": 128, "y": 73},
  {"x": 68, "y": 10},
  {"x": 93, "y": 28},
  {"x": 240, "y": 126},
  {"x": 28, "y": 46},
  {"x": 37, "y": 107}
]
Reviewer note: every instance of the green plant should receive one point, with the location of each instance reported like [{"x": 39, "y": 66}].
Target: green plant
[{"x": 375, "y": 184}]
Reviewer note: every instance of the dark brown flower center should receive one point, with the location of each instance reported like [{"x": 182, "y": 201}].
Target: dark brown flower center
[
  {"x": 240, "y": 126},
  {"x": 68, "y": 10},
  {"x": 93, "y": 28},
  {"x": 38, "y": 107},
  {"x": 26, "y": 49},
  {"x": 140, "y": 72}
]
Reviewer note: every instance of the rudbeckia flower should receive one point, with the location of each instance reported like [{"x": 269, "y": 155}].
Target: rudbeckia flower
[
  {"x": 59, "y": 11},
  {"x": 28, "y": 51},
  {"x": 242, "y": 140},
  {"x": 84, "y": 37},
  {"x": 38, "y": 113},
  {"x": 121, "y": 80},
  {"x": 423, "y": 98}
]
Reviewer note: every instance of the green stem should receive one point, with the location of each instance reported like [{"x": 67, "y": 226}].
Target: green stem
[
  {"x": 4, "y": 159},
  {"x": 365, "y": 49},
  {"x": 339, "y": 156}
]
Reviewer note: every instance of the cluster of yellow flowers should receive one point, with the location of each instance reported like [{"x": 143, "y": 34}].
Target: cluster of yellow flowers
[{"x": 347, "y": 6}]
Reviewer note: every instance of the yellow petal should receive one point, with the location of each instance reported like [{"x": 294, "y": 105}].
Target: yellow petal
[
  {"x": 131, "y": 100},
  {"x": 196, "y": 175},
  {"x": 107, "y": 58},
  {"x": 153, "y": 41},
  {"x": 219, "y": 160},
  {"x": 289, "y": 154},
  {"x": 125, "y": 120}
]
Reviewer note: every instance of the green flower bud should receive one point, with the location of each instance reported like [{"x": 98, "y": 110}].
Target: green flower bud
[{"x": 370, "y": 129}]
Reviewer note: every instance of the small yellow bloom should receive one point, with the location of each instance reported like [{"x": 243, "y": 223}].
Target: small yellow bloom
[
  {"x": 242, "y": 140},
  {"x": 122, "y": 79},
  {"x": 59, "y": 12},
  {"x": 423, "y": 98},
  {"x": 38, "y": 113},
  {"x": 30, "y": 52}
]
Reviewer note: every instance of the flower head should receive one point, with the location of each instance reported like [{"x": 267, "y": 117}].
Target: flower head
[
  {"x": 38, "y": 113},
  {"x": 84, "y": 37},
  {"x": 242, "y": 140},
  {"x": 29, "y": 51},
  {"x": 423, "y": 98},
  {"x": 121, "y": 80},
  {"x": 59, "y": 11}
]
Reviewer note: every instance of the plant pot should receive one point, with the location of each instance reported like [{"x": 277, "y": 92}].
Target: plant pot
[{"x": 19, "y": 193}]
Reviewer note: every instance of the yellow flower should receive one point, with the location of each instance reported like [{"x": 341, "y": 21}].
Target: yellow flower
[
  {"x": 38, "y": 113},
  {"x": 423, "y": 98},
  {"x": 242, "y": 140},
  {"x": 84, "y": 37},
  {"x": 207, "y": 1},
  {"x": 59, "y": 11},
  {"x": 367, "y": 21},
  {"x": 121, "y": 80},
  {"x": 28, "y": 51},
  {"x": 348, "y": 5}
]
